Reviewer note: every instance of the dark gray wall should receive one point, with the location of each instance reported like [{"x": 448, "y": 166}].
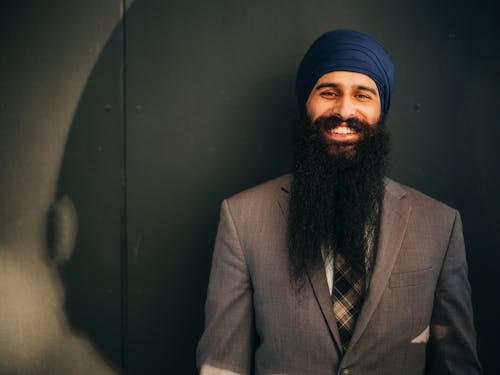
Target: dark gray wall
[{"x": 147, "y": 121}]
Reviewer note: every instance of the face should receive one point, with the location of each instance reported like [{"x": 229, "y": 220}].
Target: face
[{"x": 346, "y": 95}]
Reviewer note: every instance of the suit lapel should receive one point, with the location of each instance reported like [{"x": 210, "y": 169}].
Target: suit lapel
[
  {"x": 395, "y": 216},
  {"x": 317, "y": 278}
]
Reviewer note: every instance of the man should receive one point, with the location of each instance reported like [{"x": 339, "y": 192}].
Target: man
[{"x": 338, "y": 269}]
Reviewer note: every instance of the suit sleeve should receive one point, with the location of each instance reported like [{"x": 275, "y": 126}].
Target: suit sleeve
[
  {"x": 452, "y": 345},
  {"x": 226, "y": 344}
]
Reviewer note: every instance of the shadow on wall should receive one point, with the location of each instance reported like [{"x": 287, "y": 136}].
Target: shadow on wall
[
  {"x": 140, "y": 302},
  {"x": 91, "y": 178},
  {"x": 64, "y": 308},
  {"x": 37, "y": 238}
]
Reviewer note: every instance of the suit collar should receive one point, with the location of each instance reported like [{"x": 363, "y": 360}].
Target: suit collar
[
  {"x": 285, "y": 186},
  {"x": 284, "y": 194}
]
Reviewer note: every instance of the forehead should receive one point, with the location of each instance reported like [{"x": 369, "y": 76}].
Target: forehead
[{"x": 346, "y": 80}]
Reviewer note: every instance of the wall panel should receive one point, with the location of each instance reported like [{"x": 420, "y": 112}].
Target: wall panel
[{"x": 210, "y": 107}]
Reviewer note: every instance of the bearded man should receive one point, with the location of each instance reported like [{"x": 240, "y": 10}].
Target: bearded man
[{"x": 337, "y": 269}]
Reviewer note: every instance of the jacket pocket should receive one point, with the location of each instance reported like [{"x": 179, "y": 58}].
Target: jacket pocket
[{"x": 405, "y": 279}]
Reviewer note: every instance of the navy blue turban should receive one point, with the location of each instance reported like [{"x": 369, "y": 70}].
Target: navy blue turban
[{"x": 346, "y": 50}]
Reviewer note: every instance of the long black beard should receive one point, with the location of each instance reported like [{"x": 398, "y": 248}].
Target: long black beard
[{"x": 336, "y": 196}]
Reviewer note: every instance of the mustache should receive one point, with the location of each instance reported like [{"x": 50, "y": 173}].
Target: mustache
[{"x": 331, "y": 122}]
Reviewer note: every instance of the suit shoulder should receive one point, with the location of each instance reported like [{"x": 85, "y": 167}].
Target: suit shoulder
[
  {"x": 420, "y": 201},
  {"x": 264, "y": 191}
]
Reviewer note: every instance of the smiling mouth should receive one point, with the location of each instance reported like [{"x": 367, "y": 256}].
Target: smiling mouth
[
  {"x": 341, "y": 130},
  {"x": 342, "y": 133}
]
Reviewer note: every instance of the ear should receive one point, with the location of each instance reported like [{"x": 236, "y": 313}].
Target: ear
[{"x": 62, "y": 230}]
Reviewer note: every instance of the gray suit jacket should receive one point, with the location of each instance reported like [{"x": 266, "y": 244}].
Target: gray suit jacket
[{"x": 416, "y": 318}]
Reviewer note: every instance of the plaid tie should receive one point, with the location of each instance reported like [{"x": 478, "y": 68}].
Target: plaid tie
[{"x": 348, "y": 289}]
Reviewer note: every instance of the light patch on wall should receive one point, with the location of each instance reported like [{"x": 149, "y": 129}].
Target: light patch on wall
[{"x": 35, "y": 338}]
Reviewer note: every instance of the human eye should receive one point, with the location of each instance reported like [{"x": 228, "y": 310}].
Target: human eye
[
  {"x": 363, "y": 96},
  {"x": 329, "y": 94}
]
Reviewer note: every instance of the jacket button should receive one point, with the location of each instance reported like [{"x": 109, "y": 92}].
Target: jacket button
[{"x": 346, "y": 371}]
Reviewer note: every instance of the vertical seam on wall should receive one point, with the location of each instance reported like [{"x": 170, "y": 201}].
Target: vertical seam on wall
[{"x": 124, "y": 219}]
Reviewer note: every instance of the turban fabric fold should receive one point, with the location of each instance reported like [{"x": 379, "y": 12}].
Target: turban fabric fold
[{"x": 346, "y": 50}]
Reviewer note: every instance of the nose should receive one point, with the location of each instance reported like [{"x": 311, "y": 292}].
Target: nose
[{"x": 344, "y": 108}]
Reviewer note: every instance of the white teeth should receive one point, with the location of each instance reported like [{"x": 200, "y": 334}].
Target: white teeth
[{"x": 342, "y": 130}]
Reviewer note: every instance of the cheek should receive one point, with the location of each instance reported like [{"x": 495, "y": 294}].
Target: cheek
[
  {"x": 315, "y": 109},
  {"x": 373, "y": 114}
]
